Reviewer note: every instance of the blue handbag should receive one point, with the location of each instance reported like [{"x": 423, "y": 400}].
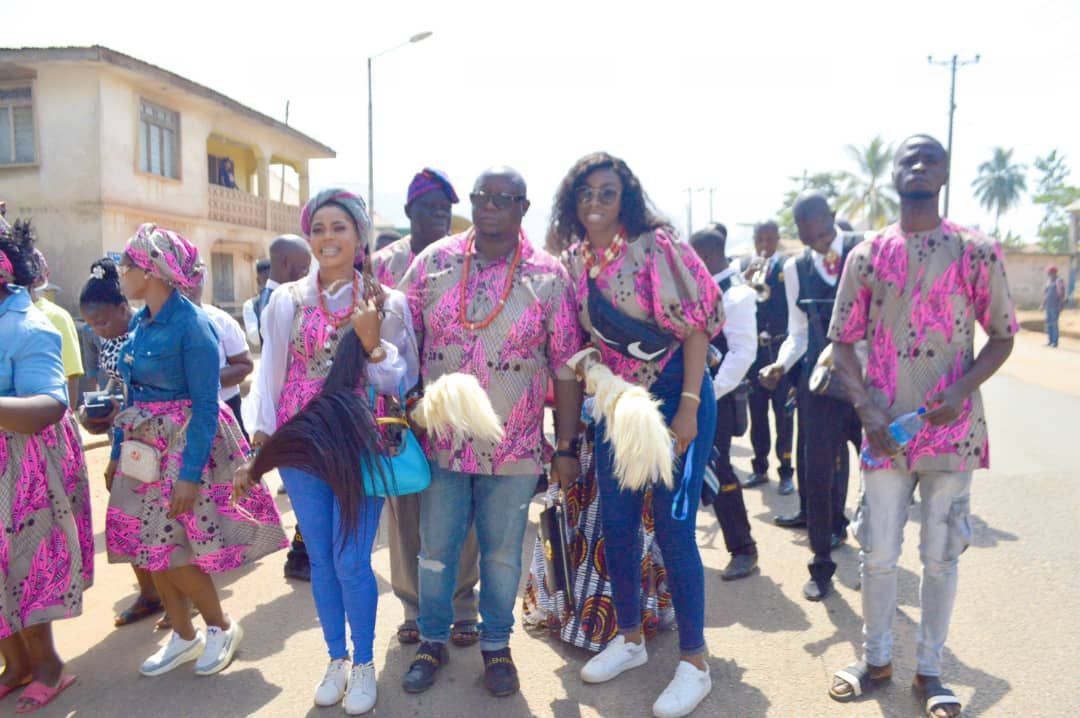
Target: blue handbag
[{"x": 406, "y": 473}]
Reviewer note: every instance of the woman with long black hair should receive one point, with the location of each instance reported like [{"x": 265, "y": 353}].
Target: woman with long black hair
[
  {"x": 46, "y": 540},
  {"x": 650, "y": 308},
  {"x": 325, "y": 337}
]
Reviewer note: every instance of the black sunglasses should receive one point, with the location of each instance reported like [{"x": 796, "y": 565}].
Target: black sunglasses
[
  {"x": 605, "y": 195},
  {"x": 501, "y": 200}
]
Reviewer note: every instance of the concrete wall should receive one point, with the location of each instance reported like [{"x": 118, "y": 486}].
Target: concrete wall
[
  {"x": 1027, "y": 275},
  {"x": 86, "y": 192}
]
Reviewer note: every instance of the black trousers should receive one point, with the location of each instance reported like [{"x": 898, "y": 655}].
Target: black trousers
[
  {"x": 234, "y": 404},
  {"x": 827, "y": 424},
  {"x": 728, "y": 502},
  {"x": 760, "y": 434}
]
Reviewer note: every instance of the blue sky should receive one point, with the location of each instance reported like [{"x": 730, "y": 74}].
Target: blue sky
[{"x": 691, "y": 94}]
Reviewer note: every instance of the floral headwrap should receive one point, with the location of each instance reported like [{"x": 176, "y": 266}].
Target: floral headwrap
[
  {"x": 166, "y": 255},
  {"x": 353, "y": 204},
  {"x": 7, "y": 271}
]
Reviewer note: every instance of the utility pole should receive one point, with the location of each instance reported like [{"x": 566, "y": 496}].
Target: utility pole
[
  {"x": 689, "y": 212},
  {"x": 711, "y": 191},
  {"x": 953, "y": 63}
]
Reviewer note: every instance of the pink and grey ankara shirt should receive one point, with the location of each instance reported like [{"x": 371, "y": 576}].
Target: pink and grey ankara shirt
[
  {"x": 915, "y": 298},
  {"x": 391, "y": 262},
  {"x": 656, "y": 279},
  {"x": 513, "y": 357}
]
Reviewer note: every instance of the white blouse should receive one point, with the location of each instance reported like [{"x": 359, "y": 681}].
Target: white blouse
[{"x": 398, "y": 340}]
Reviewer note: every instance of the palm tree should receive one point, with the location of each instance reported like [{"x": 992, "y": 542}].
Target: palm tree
[
  {"x": 1000, "y": 184},
  {"x": 870, "y": 197}
]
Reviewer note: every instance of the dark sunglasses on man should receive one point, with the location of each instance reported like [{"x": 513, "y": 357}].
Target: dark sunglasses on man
[
  {"x": 605, "y": 195},
  {"x": 501, "y": 200}
]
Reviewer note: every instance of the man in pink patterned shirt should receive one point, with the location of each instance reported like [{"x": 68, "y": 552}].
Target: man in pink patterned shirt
[
  {"x": 914, "y": 292},
  {"x": 488, "y": 303}
]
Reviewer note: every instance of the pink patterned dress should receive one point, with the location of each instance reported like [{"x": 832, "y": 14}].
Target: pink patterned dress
[
  {"x": 216, "y": 536},
  {"x": 47, "y": 545},
  {"x": 915, "y": 297}
]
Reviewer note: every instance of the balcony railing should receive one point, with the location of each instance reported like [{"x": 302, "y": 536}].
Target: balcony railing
[{"x": 238, "y": 207}]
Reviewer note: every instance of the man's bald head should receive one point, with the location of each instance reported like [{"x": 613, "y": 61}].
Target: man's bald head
[
  {"x": 290, "y": 257},
  {"x": 506, "y": 173}
]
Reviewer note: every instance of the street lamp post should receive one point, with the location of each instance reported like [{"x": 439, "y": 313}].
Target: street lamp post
[
  {"x": 370, "y": 120},
  {"x": 952, "y": 63}
]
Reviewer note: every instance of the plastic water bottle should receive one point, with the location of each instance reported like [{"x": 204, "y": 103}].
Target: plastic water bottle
[{"x": 902, "y": 429}]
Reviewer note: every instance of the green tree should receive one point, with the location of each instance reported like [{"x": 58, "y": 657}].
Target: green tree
[
  {"x": 1000, "y": 183},
  {"x": 1055, "y": 194},
  {"x": 828, "y": 183},
  {"x": 1011, "y": 240},
  {"x": 869, "y": 192}
]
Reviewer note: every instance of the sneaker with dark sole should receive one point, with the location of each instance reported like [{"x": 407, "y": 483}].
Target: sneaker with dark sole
[
  {"x": 740, "y": 566},
  {"x": 298, "y": 568},
  {"x": 430, "y": 657},
  {"x": 500, "y": 673}
]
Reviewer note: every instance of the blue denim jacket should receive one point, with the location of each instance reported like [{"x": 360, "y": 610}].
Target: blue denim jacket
[
  {"x": 30, "y": 362},
  {"x": 175, "y": 356}
]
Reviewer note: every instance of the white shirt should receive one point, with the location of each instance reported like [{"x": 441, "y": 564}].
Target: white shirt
[
  {"x": 231, "y": 341},
  {"x": 398, "y": 340},
  {"x": 251, "y": 322},
  {"x": 794, "y": 346},
  {"x": 740, "y": 330}
]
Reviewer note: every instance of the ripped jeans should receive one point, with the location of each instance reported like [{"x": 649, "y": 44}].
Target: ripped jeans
[
  {"x": 499, "y": 505},
  {"x": 945, "y": 531}
]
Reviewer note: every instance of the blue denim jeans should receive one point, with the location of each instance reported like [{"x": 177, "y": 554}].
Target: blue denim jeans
[
  {"x": 1052, "y": 325},
  {"x": 620, "y": 514},
  {"x": 500, "y": 507},
  {"x": 342, "y": 581}
]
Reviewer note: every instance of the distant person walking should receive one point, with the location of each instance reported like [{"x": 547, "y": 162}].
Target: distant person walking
[{"x": 1053, "y": 301}]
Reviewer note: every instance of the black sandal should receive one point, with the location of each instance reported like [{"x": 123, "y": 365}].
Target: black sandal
[
  {"x": 464, "y": 634},
  {"x": 935, "y": 695},
  {"x": 408, "y": 633},
  {"x": 137, "y": 611},
  {"x": 858, "y": 677}
]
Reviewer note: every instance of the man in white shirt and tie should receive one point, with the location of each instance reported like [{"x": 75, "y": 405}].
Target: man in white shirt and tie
[
  {"x": 737, "y": 347},
  {"x": 827, "y": 423}
]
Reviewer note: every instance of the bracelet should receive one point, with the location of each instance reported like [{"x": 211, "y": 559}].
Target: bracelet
[
  {"x": 692, "y": 396},
  {"x": 566, "y": 454}
]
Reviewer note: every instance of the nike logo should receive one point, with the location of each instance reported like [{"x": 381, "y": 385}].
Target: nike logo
[{"x": 635, "y": 351}]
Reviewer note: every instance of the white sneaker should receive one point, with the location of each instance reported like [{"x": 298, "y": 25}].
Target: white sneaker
[
  {"x": 686, "y": 690},
  {"x": 617, "y": 656},
  {"x": 175, "y": 652},
  {"x": 220, "y": 647},
  {"x": 361, "y": 695},
  {"x": 332, "y": 688}
]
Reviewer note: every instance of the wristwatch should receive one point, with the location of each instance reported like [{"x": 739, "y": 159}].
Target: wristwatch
[{"x": 377, "y": 354}]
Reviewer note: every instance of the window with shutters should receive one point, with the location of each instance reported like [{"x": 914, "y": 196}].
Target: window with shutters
[
  {"x": 159, "y": 140},
  {"x": 221, "y": 266},
  {"x": 17, "y": 146}
]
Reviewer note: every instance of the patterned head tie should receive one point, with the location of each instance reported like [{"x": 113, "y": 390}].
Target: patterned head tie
[
  {"x": 165, "y": 254},
  {"x": 429, "y": 180},
  {"x": 345, "y": 199},
  {"x": 7, "y": 270}
]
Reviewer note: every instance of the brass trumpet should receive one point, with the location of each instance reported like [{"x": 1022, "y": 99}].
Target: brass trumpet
[{"x": 757, "y": 279}]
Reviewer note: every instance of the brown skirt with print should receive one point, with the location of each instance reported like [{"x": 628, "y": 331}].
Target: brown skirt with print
[{"x": 215, "y": 535}]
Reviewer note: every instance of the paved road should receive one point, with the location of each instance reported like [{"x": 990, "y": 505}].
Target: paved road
[{"x": 1012, "y": 649}]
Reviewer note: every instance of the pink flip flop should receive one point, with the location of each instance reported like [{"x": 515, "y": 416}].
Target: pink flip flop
[
  {"x": 42, "y": 695},
  {"x": 6, "y": 691}
]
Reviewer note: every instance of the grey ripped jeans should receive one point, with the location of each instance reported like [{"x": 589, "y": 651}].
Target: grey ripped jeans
[{"x": 945, "y": 507}]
